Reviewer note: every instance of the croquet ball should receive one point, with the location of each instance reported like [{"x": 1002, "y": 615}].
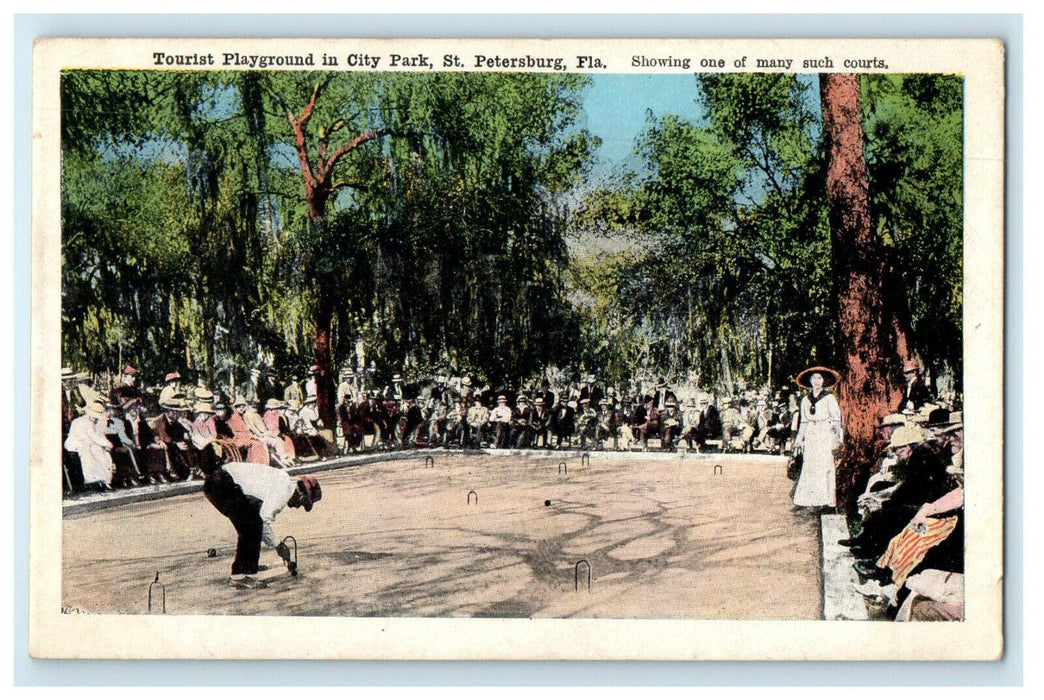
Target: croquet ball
[
  {"x": 547, "y": 502},
  {"x": 211, "y": 553}
]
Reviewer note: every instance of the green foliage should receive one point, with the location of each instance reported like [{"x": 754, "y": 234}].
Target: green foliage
[
  {"x": 731, "y": 285},
  {"x": 441, "y": 234},
  {"x": 439, "y": 239},
  {"x": 914, "y": 153}
]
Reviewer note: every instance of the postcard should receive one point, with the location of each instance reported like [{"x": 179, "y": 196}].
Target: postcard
[{"x": 517, "y": 349}]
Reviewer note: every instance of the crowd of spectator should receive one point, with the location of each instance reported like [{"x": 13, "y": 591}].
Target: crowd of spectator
[
  {"x": 909, "y": 539},
  {"x": 124, "y": 435}
]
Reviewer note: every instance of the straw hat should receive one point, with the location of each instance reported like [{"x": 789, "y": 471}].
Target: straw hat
[
  {"x": 274, "y": 404},
  {"x": 96, "y": 409},
  {"x": 894, "y": 419},
  {"x": 906, "y": 435},
  {"x": 203, "y": 407},
  {"x": 830, "y": 377},
  {"x": 172, "y": 377}
]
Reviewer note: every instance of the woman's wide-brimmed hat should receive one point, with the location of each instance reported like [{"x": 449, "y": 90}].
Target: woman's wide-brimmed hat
[{"x": 830, "y": 377}]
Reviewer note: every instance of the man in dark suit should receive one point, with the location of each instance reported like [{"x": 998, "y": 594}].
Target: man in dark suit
[
  {"x": 590, "y": 391},
  {"x": 916, "y": 394},
  {"x": 708, "y": 427},
  {"x": 663, "y": 395}
]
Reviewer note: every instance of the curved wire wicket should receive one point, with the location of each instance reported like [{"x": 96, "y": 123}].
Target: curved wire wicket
[
  {"x": 163, "y": 591},
  {"x": 576, "y": 575}
]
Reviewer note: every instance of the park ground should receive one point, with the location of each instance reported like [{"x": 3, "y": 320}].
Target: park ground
[{"x": 478, "y": 535}]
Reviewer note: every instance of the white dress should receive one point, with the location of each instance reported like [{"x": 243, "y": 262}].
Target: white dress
[
  {"x": 88, "y": 441},
  {"x": 819, "y": 434}
]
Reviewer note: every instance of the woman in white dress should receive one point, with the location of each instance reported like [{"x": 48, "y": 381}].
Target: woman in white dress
[{"x": 820, "y": 433}]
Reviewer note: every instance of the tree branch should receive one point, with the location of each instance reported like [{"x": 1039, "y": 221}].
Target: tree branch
[{"x": 355, "y": 142}]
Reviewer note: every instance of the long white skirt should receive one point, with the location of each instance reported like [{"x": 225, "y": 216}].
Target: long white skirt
[{"x": 818, "y": 483}]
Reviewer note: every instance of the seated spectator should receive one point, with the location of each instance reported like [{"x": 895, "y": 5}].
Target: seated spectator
[
  {"x": 587, "y": 423},
  {"x": 521, "y": 432},
  {"x": 671, "y": 424},
  {"x": 736, "y": 430},
  {"x": 88, "y": 441},
  {"x": 916, "y": 394},
  {"x": 780, "y": 426},
  {"x": 171, "y": 389},
  {"x": 707, "y": 427},
  {"x": 171, "y": 455},
  {"x": 499, "y": 423},
  {"x": 275, "y": 432},
  {"x": 251, "y": 449},
  {"x": 608, "y": 424},
  {"x": 127, "y": 388},
  {"x": 206, "y": 440},
  {"x": 124, "y": 461},
  {"x": 540, "y": 423},
  {"x": 477, "y": 417},
  {"x": 563, "y": 424}
]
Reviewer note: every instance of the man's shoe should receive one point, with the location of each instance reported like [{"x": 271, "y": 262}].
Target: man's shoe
[
  {"x": 247, "y": 582},
  {"x": 863, "y": 553},
  {"x": 869, "y": 570},
  {"x": 853, "y": 541}
]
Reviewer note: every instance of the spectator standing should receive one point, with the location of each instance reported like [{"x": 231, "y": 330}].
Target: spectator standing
[{"x": 819, "y": 436}]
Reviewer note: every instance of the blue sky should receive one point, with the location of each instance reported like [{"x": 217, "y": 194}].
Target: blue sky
[{"x": 616, "y": 107}]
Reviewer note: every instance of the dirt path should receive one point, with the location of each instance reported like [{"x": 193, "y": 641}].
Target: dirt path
[{"x": 665, "y": 539}]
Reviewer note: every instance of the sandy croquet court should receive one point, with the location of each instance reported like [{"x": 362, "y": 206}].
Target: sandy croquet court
[{"x": 665, "y": 538}]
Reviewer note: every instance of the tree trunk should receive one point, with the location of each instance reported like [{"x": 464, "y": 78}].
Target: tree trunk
[
  {"x": 325, "y": 388},
  {"x": 868, "y": 341}
]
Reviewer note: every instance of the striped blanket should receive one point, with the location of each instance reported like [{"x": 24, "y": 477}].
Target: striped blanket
[{"x": 908, "y": 548}]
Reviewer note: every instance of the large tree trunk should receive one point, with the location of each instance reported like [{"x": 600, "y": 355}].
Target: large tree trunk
[{"x": 868, "y": 339}]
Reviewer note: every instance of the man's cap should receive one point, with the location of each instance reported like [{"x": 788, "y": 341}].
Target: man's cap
[
  {"x": 539, "y": 401},
  {"x": 173, "y": 404},
  {"x": 129, "y": 370},
  {"x": 308, "y": 492},
  {"x": 911, "y": 366},
  {"x": 172, "y": 377}
]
